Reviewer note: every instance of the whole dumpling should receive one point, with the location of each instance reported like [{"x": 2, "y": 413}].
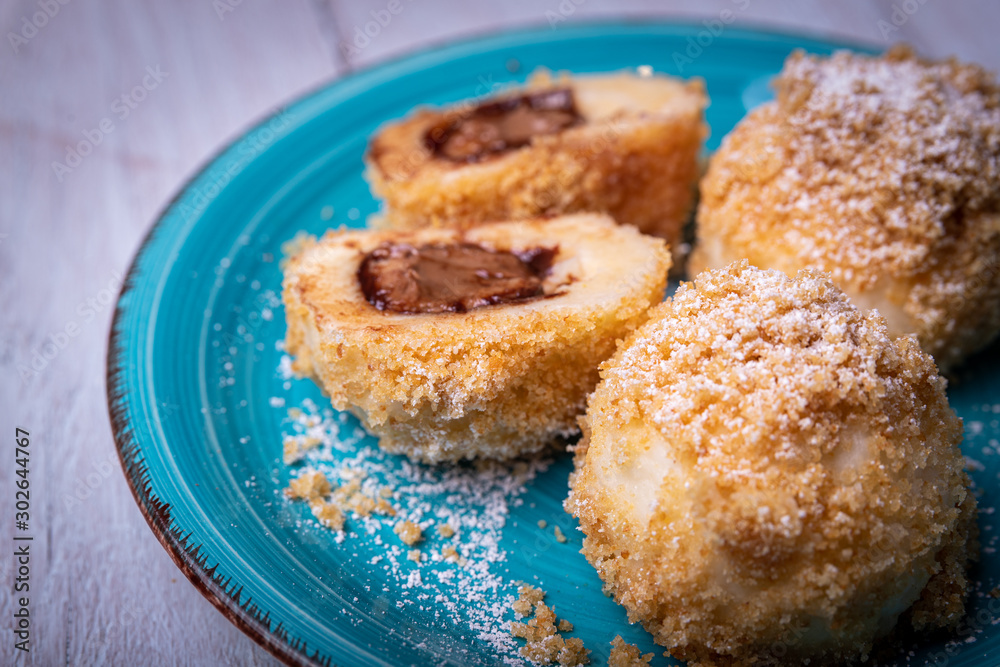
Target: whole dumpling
[
  {"x": 884, "y": 172},
  {"x": 766, "y": 476}
]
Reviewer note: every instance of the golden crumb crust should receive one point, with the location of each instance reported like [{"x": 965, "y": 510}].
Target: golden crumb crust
[
  {"x": 884, "y": 172},
  {"x": 495, "y": 382},
  {"x": 635, "y": 157},
  {"x": 766, "y": 476}
]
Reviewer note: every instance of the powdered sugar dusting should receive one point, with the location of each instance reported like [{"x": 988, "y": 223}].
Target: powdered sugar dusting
[
  {"x": 883, "y": 171},
  {"x": 896, "y": 140},
  {"x": 456, "y": 578},
  {"x": 874, "y": 158}
]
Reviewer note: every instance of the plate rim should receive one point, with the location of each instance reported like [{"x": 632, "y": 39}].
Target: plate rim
[{"x": 225, "y": 592}]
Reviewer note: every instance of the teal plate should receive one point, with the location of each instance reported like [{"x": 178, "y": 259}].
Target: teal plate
[{"x": 201, "y": 400}]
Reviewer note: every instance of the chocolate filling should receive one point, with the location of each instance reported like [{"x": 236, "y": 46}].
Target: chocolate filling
[
  {"x": 450, "y": 278},
  {"x": 502, "y": 125}
]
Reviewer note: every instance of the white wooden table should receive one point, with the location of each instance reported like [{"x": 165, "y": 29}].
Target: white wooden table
[{"x": 159, "y": 87}]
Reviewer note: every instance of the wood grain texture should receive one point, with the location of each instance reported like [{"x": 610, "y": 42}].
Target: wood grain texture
[
  {"x": 103, "y": 590},
  {"x": 936, "y": 28}
]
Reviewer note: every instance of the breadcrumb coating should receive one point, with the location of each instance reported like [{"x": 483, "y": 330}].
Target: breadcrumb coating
[
  {"x": 495, "y": 382},
  {"x": 884, "y": 172},
  {"x": 766, "y": 476},
  {"x": 635, "y": 158}
]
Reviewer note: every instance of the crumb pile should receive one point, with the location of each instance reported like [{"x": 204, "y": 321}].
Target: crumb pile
[
  {"x": 330, "y": 505},
  {"x": 444, "y": 557},
  {"x": 545, "y": 643},
  {"x": 764, "y": 467},
  {"x": 884, "y": 172}
]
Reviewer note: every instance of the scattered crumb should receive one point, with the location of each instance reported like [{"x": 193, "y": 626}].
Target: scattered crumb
[
  {"x": 313, "y": 486},
  {"x": 295, "y": 447},
  {"x": 538, "y": 628},
  {"x": 290, "y": 451},
  {"x": 361, "y": 504},
  {"x": 451, "y": 554},
  {"x": 354, "y": 472},
  {"x": 309, "y": 485},
  {"x": 995, "y": 593},
  {"x": 573, "y": 653},
  {"x": 385, "y": 508},
  {"x": 303, "y": 445},
  {"x": 626, "y": 655},
  {"x": 544, "y": 644},
  {"x": 542, "y": 524},
  {"x": 331, "y": 512},
  {"x": 346, "y": 475},
  {"x": 543, "y": 650},
  {"x": 349, "y": 488},
  {"x": 328, "y": 514},
  {"x": 409, "y": 532},
  {"x": 528, "y": 598},
  {"x": 559, "y": 535}
]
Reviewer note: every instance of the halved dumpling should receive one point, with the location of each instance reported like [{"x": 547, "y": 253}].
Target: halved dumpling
[
  {"x": 621, "y": 144},
  {"x": 452, "y": 344}
]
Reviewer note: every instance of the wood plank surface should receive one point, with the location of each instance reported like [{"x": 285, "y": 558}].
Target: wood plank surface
[{"x": 194, "y": 74}]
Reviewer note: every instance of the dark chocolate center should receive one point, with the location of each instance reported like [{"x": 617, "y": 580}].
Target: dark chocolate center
[
  {"x": 502, "y": 125},
  {"x": 450, "y": 278}
]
